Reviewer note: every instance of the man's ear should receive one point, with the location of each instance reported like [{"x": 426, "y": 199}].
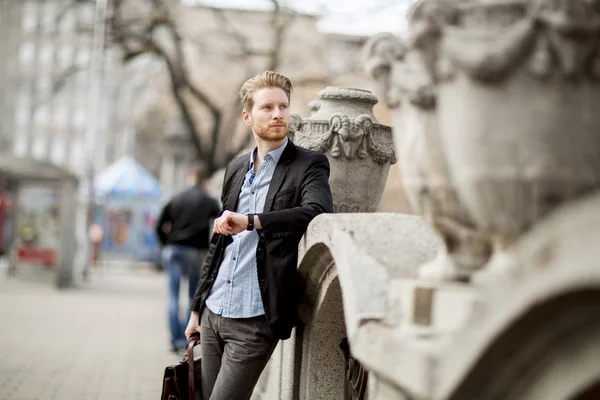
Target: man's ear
[{"x": 247, "y": 118}]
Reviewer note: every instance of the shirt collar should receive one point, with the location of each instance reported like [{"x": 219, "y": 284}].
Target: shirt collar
[{"x": 274, "y": 154}]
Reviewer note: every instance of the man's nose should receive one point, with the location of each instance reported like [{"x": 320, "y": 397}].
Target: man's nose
[{"x": 277, "y": 114}]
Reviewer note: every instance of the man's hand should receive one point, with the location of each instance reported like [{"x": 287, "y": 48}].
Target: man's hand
[
  {"x": 193, "y": 325},
  {"x": 230, "y": 223}
]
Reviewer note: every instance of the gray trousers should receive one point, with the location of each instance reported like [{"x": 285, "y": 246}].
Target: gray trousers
[{"x": 234, "y": 354}]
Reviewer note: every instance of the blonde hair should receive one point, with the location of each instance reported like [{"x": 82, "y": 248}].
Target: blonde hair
[{"x": 267, "y": 79}]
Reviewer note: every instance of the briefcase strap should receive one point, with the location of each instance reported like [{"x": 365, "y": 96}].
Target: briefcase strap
[{"x": 193, "y": 341}]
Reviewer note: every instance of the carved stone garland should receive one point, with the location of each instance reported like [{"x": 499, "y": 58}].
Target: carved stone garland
[
  {"x": 360, "y": 150},
  {"x": 348, "y": 138}
]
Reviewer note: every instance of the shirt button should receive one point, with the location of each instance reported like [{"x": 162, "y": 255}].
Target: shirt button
[
  {"x": 252, "y": 192},
  {"x": 233, "y": 258},
  {"x": 228, "y": 281}
]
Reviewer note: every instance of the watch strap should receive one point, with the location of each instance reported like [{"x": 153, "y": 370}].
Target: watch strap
[{"x": 250, "y": 222}]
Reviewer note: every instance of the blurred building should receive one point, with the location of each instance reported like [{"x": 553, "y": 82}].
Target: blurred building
[
  {"x": 45, "y": 142},
  {"x": 47, "y": 46}
]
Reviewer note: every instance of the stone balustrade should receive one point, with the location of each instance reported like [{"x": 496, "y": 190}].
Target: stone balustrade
[{"x": 494, "y": 292}]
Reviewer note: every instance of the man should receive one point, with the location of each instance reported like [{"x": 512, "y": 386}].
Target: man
[
  {"x": 248, "y": 293},
  {"x": 183, "y": 230}
]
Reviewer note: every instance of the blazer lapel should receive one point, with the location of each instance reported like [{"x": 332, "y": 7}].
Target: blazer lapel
[
  {"x": 281, "y": 171},
  {"x": 237, "y": 180}
]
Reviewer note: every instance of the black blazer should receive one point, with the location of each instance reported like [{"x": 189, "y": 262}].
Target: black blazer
[{"x": 299, "y": 191}]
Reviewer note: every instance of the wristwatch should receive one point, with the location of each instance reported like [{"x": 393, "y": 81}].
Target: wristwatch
[{"x": 250, "y": 222}]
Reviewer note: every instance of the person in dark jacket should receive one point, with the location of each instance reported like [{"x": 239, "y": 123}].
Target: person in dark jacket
[
  {"x": 248, "y": 294},
  {"x": 183, "y": 229}
]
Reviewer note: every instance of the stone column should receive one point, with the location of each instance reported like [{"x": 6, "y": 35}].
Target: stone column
[
  {"x": 360, "y": 150},
  {"x": 67, "y": 248}
]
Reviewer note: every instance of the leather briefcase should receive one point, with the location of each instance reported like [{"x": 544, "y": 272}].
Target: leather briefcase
[{"x": 182, "y": 380}]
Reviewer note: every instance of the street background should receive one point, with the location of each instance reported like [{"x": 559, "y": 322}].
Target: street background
[
  {"x": 104, "y": 340},
  {"x": 106, "y": 106}
]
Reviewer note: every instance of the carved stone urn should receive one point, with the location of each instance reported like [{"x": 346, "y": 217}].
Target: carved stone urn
[
  {"x": 360, "y": 150},
  {"x": 517, "y": 106},
  {"x": 408, "y": 90}
]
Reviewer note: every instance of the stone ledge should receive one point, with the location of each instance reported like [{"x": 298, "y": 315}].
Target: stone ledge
[
  {"x": 426, "y": 339},
  {"x": 369, "y": 253},
  {"x": 431, "y": 309},
  {"x": 407, "y": 352},
  {"x": 400, "y": 242}
]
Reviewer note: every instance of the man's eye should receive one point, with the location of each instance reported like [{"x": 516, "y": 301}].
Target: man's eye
[
  {"x": 267, "y": 107},
  {"x": 284, "y": 106}
]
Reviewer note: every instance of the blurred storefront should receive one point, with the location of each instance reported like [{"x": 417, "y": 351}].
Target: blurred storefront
[
  {"x": 7, "y": 218},
  {"x": 37, "y": 222}
]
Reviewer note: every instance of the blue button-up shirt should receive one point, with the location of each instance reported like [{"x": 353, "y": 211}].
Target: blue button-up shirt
[{"x": 235, "y": 293}]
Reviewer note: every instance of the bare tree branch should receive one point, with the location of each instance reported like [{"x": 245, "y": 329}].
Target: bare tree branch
[
  {"x": 228, "y": 27},
  {"x": 156, "y": 33}
]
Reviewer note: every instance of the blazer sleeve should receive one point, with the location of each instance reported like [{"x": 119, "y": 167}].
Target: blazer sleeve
[
  {"x": 315, "y": 199},
  {"x": 212, "y": 249}
]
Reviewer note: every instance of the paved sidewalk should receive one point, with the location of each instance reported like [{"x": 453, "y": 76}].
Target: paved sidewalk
[{"x": 106, "y": 340}]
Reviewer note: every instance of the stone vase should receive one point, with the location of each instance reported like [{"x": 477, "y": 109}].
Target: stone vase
[
  {"x": 517, "y": 101},
  {"x": 410, "y": 94},
  {"x": 360, "y": 150}
]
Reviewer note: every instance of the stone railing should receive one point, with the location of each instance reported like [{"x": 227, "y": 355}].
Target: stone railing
[{"x": 494, "y": 293}]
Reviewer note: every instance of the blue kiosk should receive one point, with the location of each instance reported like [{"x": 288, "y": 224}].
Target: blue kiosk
[{"x": 128, "y": 202}]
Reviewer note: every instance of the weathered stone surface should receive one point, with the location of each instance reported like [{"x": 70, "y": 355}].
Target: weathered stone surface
[
  {"x": 413, "y": 244},
  {"x": 409, "y": 90},
  {"x": 482, "y": 87},
  {"x": 349, "y": 249},
  {"x": 498, "y": 142},
  {"x": 347, "y": 269},
  {"x": 530, "y": 336},
  {"x": 545, "y": 318},
  {"x": 505, "y": 100}
]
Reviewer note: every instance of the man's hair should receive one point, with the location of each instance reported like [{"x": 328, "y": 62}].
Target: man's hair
[{"x": 267, "y": 79}]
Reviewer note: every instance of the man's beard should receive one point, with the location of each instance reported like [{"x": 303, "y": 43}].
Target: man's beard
[{"x": 273, "y": 135}]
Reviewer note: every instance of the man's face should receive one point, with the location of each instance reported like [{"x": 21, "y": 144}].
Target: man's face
[{"x": 269, "y": 118}]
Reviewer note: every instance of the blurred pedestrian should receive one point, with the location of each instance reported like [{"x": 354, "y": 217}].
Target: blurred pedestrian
[
  {"x": 183, "y": 229},
  {"x": 96, "y": 234},
  {"x": 249, "y": 299}
]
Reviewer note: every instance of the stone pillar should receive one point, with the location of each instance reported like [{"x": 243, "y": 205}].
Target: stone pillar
[
  {"x": 67, "y": 248},
  {"x": 360, "y": 150}
]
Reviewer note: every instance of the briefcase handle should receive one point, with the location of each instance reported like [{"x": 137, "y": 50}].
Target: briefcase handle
[{"x": 192, "y": 341}]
